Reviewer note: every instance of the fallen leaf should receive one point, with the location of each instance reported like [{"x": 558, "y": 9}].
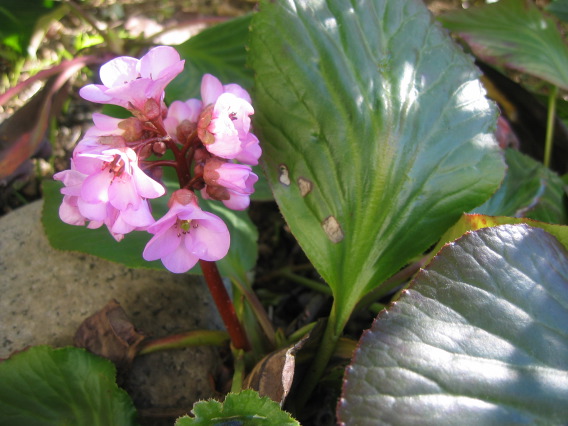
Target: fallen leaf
[{"x": 110, "y": 334}]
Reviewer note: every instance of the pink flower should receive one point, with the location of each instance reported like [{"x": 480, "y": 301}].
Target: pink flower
[
  {"x": 119, "y": 181},
  {"x": 235, "y": 177},
  {"x": 229, "y": 182},
  {"x": 250, "y": 150},
  {"x": 130, "y": 82},
  {"x": 104, "y": 135},
  {"x": 113, "y": 192},
  {"x": 186, "y": 234},
  {"x": 69, "y": 210},
  {"x": 182, "y": 118},
  {"x": 224, "y": 124}
]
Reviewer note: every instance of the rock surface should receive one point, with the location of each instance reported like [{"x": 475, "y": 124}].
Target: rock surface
[{"x": 46, "y": 294}]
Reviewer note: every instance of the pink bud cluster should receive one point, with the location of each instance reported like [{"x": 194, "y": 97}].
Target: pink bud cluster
[{"x": 116, "y": 167}]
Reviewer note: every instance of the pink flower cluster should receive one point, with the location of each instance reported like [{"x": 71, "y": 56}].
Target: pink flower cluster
[{"x": 115, "y": 168}]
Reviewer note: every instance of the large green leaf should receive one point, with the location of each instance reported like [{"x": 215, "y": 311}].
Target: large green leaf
[
  {"x": 516, "y": 34},
  {"x": 528, "y": 190},
  {"x": 375, "y": 130},
  {"x": 246, "y": 408},
  {"x": 66, "y": 386},
  {"x": 481, "y": 337}
]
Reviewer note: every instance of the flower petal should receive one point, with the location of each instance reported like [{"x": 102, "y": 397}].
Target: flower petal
[
  {"x": 119, "y": 71},
  {"x": 161, "y": 244},
  {"x": 211, "y": 89},
  {"x": 180, "y": 260}
]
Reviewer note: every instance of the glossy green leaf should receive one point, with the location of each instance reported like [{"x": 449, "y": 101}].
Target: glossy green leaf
[
  {"x": 65, "y": 386},
  {"x": 241, "y": 257},
  {"x": 376, "y": 133},
  {"x": 218, "y": 50},
  {"x": 528, "y": 190},
  {"x": 479, "y": 338},
  {"x": 246, "y": 408},
  {"x": 514, "y": 33}
]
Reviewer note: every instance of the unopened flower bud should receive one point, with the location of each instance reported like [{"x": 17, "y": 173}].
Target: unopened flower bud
[
  {"x": 145, "y": 152},
  {"x": 201, "y": 155},
  {"x": 184, "y": 130},
  {"x": 159, "y": 148},
  {"x": 152, "y": 109},
  {"x": 198, "y": 170},
  {"x": 183, "y": 197},
  {"x": 203, "y": 123}
]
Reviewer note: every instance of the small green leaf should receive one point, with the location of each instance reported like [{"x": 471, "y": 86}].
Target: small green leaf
[
  {"x": 246, "y": 408},
  {"x": 479, "y": 338},
  {"x": 375, "y": 130},
  {"x": 529, "y": 190},
  {"x": 219, "y": 50},
  {"x": 514, "y": 33},
  {"x": 66, "y": 386}
]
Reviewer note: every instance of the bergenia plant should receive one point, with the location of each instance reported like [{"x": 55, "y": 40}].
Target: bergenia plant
[{"x": 402, "y": 183}]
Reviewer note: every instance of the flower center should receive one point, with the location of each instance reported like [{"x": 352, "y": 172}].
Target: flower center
[
  {"x": 185, "y": 226},
  {"x": 116, "y": 166}
]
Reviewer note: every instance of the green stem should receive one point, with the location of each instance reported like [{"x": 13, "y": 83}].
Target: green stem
[
  {"x": 326, "y": 349},
  {"x": 184, "y": 340},
  {"x": 312, "y": 284},
  {"x": 301, "y": 332},
  {"x": 258, "y": 310},
  {"x": 550, "y": 125},
  {"x": 239, "y": 374}
]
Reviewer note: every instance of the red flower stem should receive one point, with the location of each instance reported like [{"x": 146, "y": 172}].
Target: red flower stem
[{"x": 224, "y": 305}]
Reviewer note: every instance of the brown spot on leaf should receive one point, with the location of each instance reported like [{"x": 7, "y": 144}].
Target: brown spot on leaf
[
  {"x": 284, "y": 178},
  {"x": 333, "y": 230},
  {"x": 305, "y": 186}
]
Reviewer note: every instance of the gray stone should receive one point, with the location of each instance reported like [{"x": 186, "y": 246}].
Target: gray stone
[{"x": 47, "y": 293}]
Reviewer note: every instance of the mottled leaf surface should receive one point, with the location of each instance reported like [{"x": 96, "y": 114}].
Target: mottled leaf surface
[
  {"x": 375, "y": 129},
  {"x": 480, "y": 337}
]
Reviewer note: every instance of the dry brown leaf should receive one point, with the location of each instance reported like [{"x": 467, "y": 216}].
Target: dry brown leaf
[{"x": 110, "y": 334}]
